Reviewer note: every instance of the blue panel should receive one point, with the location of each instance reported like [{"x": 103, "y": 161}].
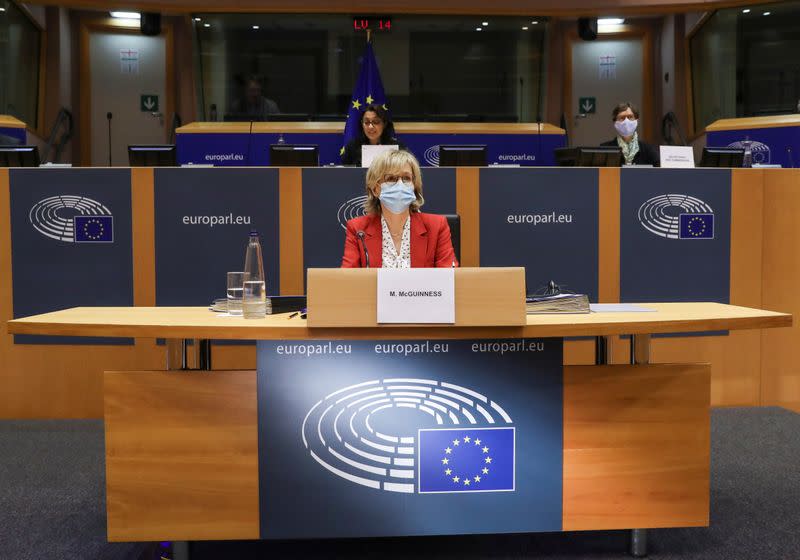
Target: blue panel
[
  {"x": 332, "y": 196},
  {"x": 19, "y": 134},
  {"x": 202, "y": 221},
  {"x": 356, "y": 438},
  {"x": 545, "y": 220},
  {"x": 778, "y": 145},
  {"x": 60, "y": 257},
  {"x": 675, "y": 235},
  {"x": 219, "y": 149}
]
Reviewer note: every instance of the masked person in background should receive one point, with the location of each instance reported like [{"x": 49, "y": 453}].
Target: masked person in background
[
  {"x": 626, "y": 122},
  {"x": 394, "y": 233}
]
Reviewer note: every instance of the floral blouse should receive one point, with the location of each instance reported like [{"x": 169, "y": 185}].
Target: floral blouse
[{"x": 391, "y": 258}]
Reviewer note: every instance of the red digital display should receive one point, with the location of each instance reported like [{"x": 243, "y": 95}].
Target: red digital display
[{"x": 372, "y": 23}]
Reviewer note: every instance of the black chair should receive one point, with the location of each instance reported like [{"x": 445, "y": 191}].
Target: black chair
[{"x": 454, "y": 221}]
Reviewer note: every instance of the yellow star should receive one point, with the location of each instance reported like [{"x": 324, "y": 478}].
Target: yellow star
[
  {"x": 356, "y": 104},
  {"x": 455, "y": 442},
  {"x": 445, "y": 461},
  {"x": 448, "y": 450},
  {"x": 466, "y": 482},
  {"x": 466, "y": 439},
  {"x": 369, "y": 100},
  {"x": 485, "y": 470},
  {"x": 488, "y": 459},
  {"x": 456, "y": 479},
  {"x": 477, "y": 478},
  {"x": 477, "y": 442},
  {"x": 485, "y": 450},
  {"x": 448, "y": 472}
]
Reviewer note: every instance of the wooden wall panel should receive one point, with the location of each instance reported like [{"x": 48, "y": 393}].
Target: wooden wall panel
[
  {"x": 183, "y": 467},
  {"x": 467, "y": 205},
  {"x": 780, "y": 358},
  {"x": 735, "y": 359},
  {"x": 290, "y": 184},
  {"x": 636, "y": 446},
  {"x": 55, "y": 381}
]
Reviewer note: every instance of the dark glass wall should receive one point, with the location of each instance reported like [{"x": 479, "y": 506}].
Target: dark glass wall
[
  {"x": 433, "y": 67},
  {"x": 20, "y": 43},
  {"x": 746, "y": 62}
]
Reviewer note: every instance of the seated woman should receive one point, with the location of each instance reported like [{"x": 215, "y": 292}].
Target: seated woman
[
  {"x": 625, "y": 117},
  {"x": 394, "y": 233},
  {"x": 376, "y": 128}
]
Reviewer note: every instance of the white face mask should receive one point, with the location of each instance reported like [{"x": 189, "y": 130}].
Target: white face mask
[{"x": 626, "y": 127}]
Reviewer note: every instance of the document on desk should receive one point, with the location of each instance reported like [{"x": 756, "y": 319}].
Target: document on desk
[
  {"x": 416, "y": 295},
  {"x": 618, "y": 308}
]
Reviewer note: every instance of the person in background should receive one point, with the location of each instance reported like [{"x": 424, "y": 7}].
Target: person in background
[
  {"x": 394, "y": 233},
  {"x": 254, "y": 105},
  {"x": 376, "y": 128},
  {"x": 625, "y": 117}
]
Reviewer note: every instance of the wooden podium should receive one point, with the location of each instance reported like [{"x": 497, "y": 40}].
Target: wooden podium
[{"x": 485, "y": 297}]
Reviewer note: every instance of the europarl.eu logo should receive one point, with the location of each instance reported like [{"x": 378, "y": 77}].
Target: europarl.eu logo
[
  {"x": 677, "y": 216},
  {"x": 73, "y": 219},
  {"x": 460, "y": 440}
]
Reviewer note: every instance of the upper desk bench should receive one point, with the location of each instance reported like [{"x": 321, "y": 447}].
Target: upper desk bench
[
  {"x": 247, "y": 143},
  {"x": 773, "y": 140}
]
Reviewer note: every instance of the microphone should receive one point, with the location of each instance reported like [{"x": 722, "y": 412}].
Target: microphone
[
  {"x": 108, "y": 116},
  {"x": 791, "y": 159},
  {"x": 360, "y": 234}
]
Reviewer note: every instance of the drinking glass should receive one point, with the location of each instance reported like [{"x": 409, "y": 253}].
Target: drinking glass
[
  {"x": 235, "y": 289},
  {"x": 254, "y": 299}
]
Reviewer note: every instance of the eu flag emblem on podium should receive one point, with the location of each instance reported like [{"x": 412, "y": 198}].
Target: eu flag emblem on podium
[
  {"x": 367, "y": 91},
  {"x": 94, "y": 229},
  {"x": 466, "y": 460},
  {"x": 696, "y": 226}
]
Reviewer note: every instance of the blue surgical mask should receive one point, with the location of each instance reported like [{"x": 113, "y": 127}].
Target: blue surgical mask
[
  {"x": 397, "y": 197},
  {"x": 626, "y": 127}
]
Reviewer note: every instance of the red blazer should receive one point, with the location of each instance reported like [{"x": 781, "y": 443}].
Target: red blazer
[{"x": 430, "y": 242}]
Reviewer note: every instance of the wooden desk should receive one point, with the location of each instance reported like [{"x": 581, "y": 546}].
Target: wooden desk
[{"x": 182, "y": 446}]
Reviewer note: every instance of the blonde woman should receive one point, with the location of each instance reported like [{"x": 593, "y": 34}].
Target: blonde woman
[{"x": 395, "y": 233}]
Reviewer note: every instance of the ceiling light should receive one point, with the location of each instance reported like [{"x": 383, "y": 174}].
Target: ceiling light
[
  {"x": 126, "y": 15},
  {"x": 524, "y": 28},
  {"x": 610, "y": 21},
  {"x": 198, "y": 19},
  {"x": 2, "y": 9},
  {"x": 206, "y": 25},
  {"x": 256, "y": 27},
  {"x": 485, "y": 23},
  {"x": 479, "y": 29},
  {"x": 746, "y": 11},
  {"x": 535, "y": 22},
  {"x": 767, "y": 13}
]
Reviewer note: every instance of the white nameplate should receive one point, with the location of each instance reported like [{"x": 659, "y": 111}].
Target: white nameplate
[
  {"x": 677, "y": 156},
  {"x": 416, "y": 295},
  {"x": 370, "y": 152}
]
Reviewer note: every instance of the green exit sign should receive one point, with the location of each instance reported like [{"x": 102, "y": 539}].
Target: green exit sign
[
  {"x": 587, "y": 105},
  {"x": 148, "y": 103}
]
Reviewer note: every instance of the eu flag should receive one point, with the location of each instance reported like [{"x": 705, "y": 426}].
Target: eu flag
[
  {"x": 466, "y": 460},
  {"x": 94, "y": 229},
  {"x": 696, "y": 226},
  {"x": 367, "y": 91}
]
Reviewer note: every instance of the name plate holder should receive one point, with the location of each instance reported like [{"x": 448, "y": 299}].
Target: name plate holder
[{"x": 484, "y": 297}]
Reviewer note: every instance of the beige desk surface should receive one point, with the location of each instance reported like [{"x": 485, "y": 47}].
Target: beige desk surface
[
  {"x": 338, "y": 128},
  {"x": 199, "y": 322},
  {"x": 7, "y": 121},
  {"x": 745, "y": 123}
]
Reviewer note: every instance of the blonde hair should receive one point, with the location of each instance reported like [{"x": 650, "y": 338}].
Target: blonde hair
[{"x": 390, "y": 163}]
